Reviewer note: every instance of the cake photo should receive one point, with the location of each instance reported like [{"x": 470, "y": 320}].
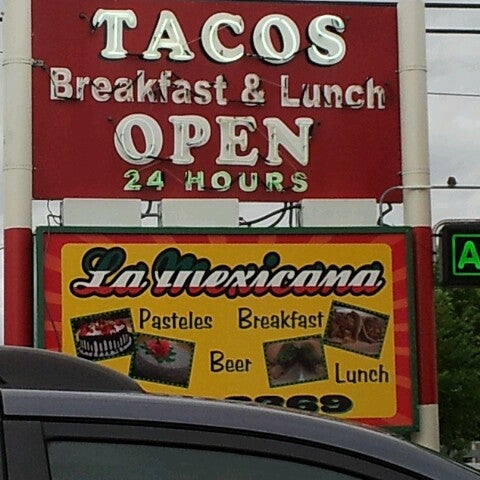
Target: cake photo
[
  {"x": 102, "y": 336},
  {"x": 162, "y": 360}
]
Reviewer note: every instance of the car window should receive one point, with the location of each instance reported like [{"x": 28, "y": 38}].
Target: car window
[{"x": 110, "y": 461}]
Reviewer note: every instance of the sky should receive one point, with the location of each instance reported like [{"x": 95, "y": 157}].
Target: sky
[{"x": 453, "y": 66}]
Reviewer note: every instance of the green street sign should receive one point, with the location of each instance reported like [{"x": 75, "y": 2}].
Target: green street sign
[{"x": 460, "y": 254}]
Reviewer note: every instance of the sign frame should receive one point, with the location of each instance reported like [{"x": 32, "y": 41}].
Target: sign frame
[
  {"x": 79, "y": 94},
  {"x": 49, "y": 302},
  {"x": 454, "y": 237}
]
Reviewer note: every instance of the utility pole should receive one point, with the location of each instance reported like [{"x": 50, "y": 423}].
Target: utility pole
[
  {"x": 17, "y": 174},
  {"x": 417, "y": 206}
]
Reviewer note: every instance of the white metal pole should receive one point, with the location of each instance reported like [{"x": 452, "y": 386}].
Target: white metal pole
[
  {"x": 17, "y": 173},
  {"x": 414, "y": 110},
  {"x": 417, "y": 206}
]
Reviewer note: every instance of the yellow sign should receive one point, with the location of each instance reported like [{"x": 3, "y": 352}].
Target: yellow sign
[{"x": 315, "y": 321}]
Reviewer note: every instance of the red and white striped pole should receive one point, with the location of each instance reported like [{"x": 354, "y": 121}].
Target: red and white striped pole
[
  {"x": 17, "y": 175},
  {"x": 417, "y": 206}
]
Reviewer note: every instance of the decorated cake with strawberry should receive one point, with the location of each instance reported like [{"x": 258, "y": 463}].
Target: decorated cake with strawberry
[
  {"x": 163, "y": 360},
  {"x": 103, "y": 338}
]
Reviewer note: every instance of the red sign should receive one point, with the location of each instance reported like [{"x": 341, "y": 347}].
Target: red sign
[{"x": 260, "y": 101}]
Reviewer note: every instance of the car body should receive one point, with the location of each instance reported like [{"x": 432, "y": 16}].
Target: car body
[{"x": 79, "y": 420}]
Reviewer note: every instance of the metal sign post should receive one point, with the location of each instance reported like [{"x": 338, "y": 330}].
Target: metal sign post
[
  {"x": 417, "y": 206},
  {"x": 17, "y": 175}
]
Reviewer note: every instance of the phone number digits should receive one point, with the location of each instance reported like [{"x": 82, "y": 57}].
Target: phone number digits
[{"x": 328, "y": 404}]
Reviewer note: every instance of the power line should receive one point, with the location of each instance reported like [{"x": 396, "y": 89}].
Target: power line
[
  {"x": 453, "y": 31},
  {"x": 452, "y": 5},
  {"x": 452, "y": 94}
]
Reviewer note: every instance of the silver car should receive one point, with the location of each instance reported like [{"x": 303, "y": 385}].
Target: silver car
[{"x": 66, "y": 418}]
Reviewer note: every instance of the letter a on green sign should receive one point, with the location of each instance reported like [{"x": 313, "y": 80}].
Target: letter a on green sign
[{"x": 469, "y": 256}]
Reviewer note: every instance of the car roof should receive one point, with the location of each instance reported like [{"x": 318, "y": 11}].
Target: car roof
[
  {"x": 32, "y": 368},
  {"x": 37, "y": 384}
]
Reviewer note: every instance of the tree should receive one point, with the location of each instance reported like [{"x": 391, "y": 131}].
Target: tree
[{"x": 458, "y": 353}]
